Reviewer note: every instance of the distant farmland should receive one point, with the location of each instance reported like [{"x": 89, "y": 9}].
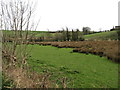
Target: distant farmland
[{"x": 113, "y": 35}]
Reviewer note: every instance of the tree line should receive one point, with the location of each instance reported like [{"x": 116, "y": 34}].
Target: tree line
[{"x": 65, "y": 35}]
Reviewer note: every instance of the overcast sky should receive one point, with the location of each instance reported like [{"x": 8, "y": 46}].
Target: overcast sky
[{"x": 57, "y": 14}]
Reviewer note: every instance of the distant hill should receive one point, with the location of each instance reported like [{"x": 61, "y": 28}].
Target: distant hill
[{"x": 113, "y": 35}]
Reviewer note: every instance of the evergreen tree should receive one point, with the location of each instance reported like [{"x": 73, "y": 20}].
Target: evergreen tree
[
  {"x": 64, "y": 35},
  {"x": 67, "y": 34}
]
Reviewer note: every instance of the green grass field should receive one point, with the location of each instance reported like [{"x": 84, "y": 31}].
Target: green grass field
[
  {"x": 102, "y": 36},
  {"x": 82, "y": 71}
]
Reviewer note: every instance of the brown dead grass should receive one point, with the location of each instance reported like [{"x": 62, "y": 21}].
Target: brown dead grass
[
  {"x": 104, "y": 48},
  {"x": 23, "y": 79}
]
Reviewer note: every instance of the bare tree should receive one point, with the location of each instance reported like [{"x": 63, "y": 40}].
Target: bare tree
[
  {"x": 0, "y": 59},
  {"x": 16, "y": 17}
]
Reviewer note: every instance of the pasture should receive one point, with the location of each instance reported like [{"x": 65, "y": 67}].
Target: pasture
[
  {"x": 113, "y": 35},
  {"x": 81, "y": 70}
]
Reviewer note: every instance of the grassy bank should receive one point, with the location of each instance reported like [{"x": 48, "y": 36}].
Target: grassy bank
[{"x": 82, "y": 71}]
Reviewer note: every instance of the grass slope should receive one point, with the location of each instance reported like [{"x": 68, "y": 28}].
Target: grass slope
[
  {"x": 86, "y": 71},
  {"x": 102, "y": 36}
]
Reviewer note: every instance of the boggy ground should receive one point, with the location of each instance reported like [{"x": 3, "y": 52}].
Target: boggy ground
[{"x": 104, "y": 48}]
